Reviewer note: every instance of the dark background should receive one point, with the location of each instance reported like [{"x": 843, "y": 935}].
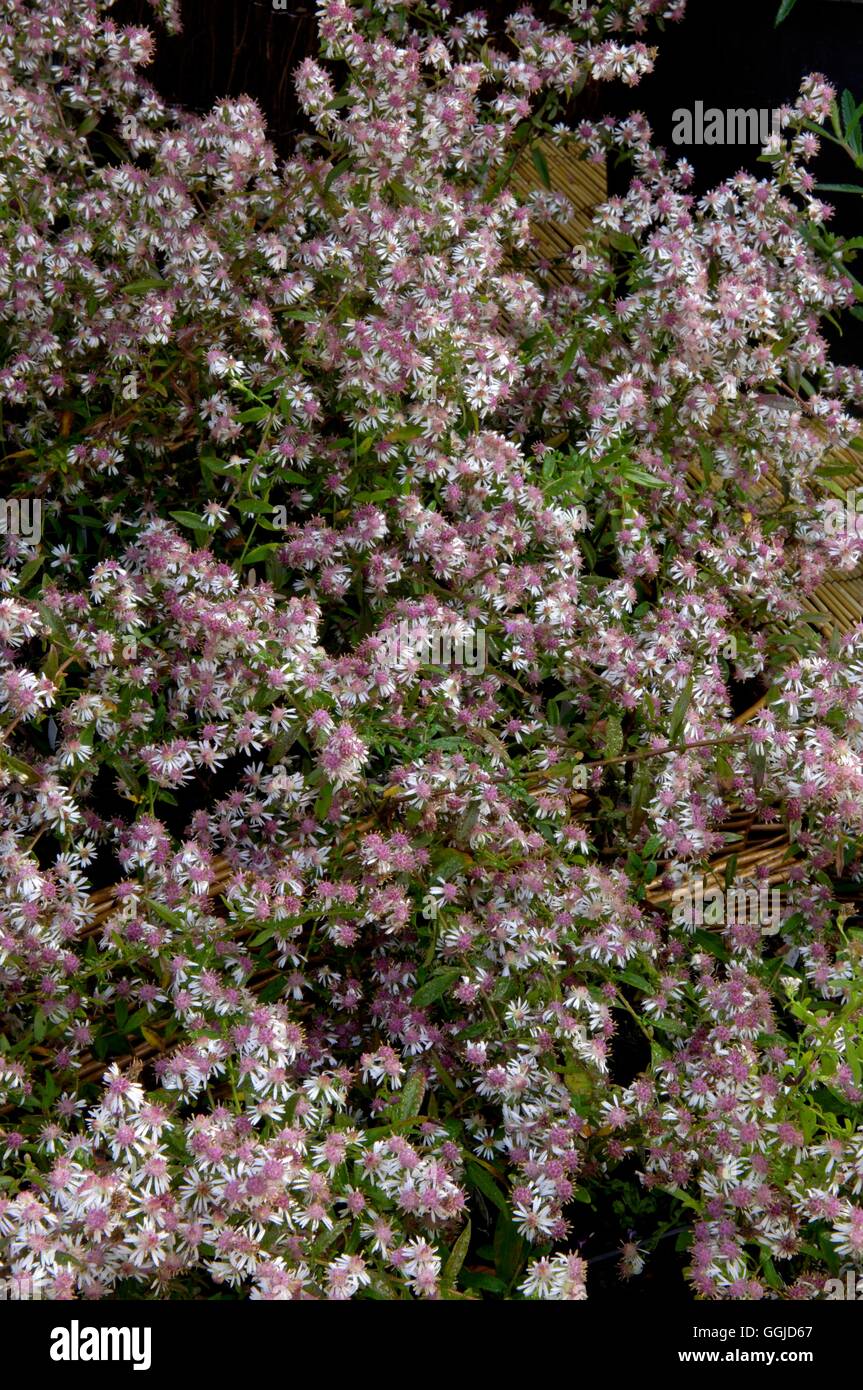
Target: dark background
[
  {"x": 232, "y": 48},
  {"x": 726, "y": 53},
  {"x": 730, "y": 53}
]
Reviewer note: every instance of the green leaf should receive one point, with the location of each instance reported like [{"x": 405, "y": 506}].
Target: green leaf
[
  {"x": 449, "y": 862},
  {"x": 382, "y": 495},
  {"x": 53, "y": 622},
  {"x": 784, "y": 11},
  {"x": 631, "y": 977},
  {"x": 324, "y": 801},
  {"x": 190, "y": 519},
  {"x": 261, "y": 552},
  {"x": 480, "y": 1280},
  {"x": 808, "y": 1121},
  {"x": 713, "y": 944},
  {"x": 142, "y": 286},
  {"x": 678, "y": 714},
  {"x": 272, "y": 990},
  {"x": 254, "y": 506},
  {"x": 634, "y": 474},
  {"x": 404, "y": 432},
  {"x": 509, "y": 1248},
  {"x": 411, "y": 1097},
  {"x": 266, "y": 935},
  {"x": 578, "y": 1081},
  {"x": 707, "y": 461},
  {"x": 569, "y": 356},
  {"x": 167, "y": 915},
  {"x": 482, "y": 1180},
  {"x": 839, "y": 188},
  {"x": 26, "y": 573},
  {"x": 341, "y": 168},
  {"x": 118, "y": 150},
  {"x": 23, "y": 771},
  {"x": 730, "y": 870},
  {"x": 452, "y": 1268},
  {"x": 683, "y": 1197},
  {"x": 435, "y": 987},
  {"x": 613, "y": 737},
  {"x": 540, "y": 165},
  {"x": 771, "y": 1274},
  {"x": 621, "y": 242},
  {"x": 217, "y": 465},
  {"x": 851, "y": 114}
]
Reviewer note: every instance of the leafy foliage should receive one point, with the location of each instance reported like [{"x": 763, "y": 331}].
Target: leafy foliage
[{"x": 353, "y": 1021}]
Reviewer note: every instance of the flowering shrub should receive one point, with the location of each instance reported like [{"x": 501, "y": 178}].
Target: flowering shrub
[{"x": 389, "y": 987}]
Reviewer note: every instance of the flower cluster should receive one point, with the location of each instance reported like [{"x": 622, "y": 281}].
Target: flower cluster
[{"x": 385, "y": 991}]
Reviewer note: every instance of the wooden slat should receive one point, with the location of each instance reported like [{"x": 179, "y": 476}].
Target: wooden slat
[{"x": 583, "y": 182}]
